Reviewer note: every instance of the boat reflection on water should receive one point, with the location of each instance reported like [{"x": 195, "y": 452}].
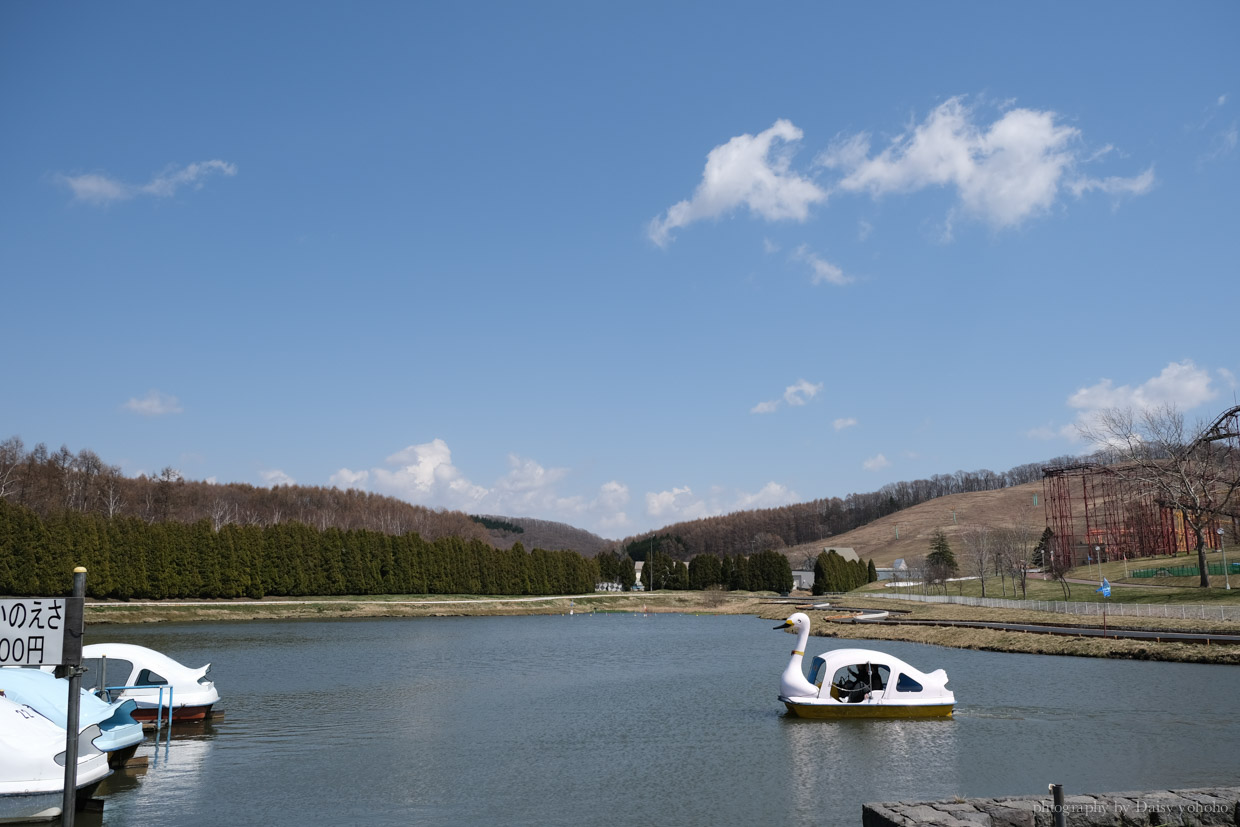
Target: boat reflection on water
[
  {"x": 825, "y": 754},
  {"x": 176, "y": 763}
]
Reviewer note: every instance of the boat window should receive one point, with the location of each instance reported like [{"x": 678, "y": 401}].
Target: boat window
[
  {"x": 90, "y": 679},
  {"x": 907, "y": 684},
  {"x": 118, "y": 671},
  {"x": 817, "y": 673},
  {"x": 148, "y": 678},
  {"x": 853, "y": 683}
]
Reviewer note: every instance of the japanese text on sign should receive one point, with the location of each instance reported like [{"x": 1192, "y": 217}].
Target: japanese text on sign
[{"x": 32, "y": 631}]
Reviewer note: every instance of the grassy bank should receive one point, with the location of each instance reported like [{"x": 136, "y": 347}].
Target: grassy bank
[
  {"x": 191, "y": 611},
  {"x": 826, "y": 622}
]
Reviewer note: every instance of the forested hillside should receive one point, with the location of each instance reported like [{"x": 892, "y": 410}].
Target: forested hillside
[
  {"x": 48, "y": 482},
  {"x": 746, "y": 532},
  {"x": 504, "y": 531}
]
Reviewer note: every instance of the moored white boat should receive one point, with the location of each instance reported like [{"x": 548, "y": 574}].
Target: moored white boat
[
  {"x": 32, "y": 772},
  {"x": 859, "y": 683},
  {"x": 119, "y": 734},
  {"x": 151, "y": 679}
]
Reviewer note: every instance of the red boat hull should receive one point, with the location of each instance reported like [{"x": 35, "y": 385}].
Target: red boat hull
[{"x": 181, "y": 713}]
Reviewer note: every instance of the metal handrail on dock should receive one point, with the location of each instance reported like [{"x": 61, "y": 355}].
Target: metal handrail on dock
[{"x": 159, "y": 715}]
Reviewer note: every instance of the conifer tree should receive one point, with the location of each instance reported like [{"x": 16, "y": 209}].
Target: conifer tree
[{"x": 940, "y": 562}]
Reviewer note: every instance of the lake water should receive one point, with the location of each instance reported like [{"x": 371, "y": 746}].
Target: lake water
[{"x": 622, "y": 719}]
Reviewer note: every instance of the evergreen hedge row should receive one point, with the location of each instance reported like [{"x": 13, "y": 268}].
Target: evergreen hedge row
[{"x": 129, "y": 558}]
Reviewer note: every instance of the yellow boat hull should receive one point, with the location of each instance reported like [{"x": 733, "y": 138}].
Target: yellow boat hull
[{"x": 838, "y": 711}]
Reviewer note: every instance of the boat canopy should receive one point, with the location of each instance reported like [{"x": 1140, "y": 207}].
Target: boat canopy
[
  {"x": 852, "y": 675},
  {"x": 129, "y": 664}
]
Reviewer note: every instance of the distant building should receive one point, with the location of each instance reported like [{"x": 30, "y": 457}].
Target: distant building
[
  {"x": 897, "y": 571},
  {"x": 803, "y": 580},
  {"x": 847, "y": 553}
]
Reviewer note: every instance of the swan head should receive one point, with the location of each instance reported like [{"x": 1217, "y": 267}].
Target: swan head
[{"x": 795, "y": 623}]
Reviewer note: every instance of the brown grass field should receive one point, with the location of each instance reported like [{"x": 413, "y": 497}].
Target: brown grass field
[{"x": 908, "y": 533}]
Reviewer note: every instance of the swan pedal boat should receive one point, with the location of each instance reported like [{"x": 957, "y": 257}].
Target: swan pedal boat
[
  {"x": 859, "y": 683},
  {"x": 32, "y": 771},
  {"x": 120, "y": 735},
  {"x": 144, "y": 671}
]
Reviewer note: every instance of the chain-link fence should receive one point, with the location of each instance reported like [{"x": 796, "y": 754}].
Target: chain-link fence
[
  {"x": 1186, "y": 571},
  {"x": 1168, "y": 610}
]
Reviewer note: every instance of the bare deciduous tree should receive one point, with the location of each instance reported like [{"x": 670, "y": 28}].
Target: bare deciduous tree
[
  {"x": 12, "y": 452},
  {"x": 113, "y": 500},
  {"x": 805, "y": 561},
  {"x": 1016, "y": 542},
  {"x": 1196, "y": 472},
  {"x": 979, "y": 550}
]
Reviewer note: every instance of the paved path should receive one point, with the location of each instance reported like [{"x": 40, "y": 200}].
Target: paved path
[
  {"x": 1071, "y": 631},
  {"x": 335, "y": 600},
  {"x": 1113, "y": 585}
]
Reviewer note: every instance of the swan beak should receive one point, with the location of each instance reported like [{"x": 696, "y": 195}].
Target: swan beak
[{"x": 783, "y": 625}]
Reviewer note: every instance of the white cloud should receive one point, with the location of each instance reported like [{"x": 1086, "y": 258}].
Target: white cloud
[
  {"x": 844, "y": 422},
  {"x": 425, "y": 474},
  {"x": 801, "y": 392},
  {"x": 610, "y": 502},
  {"x": 772, "y": 495},
  {"x": 276, "y": 477},
  {"x": 823, "y": 270},
  {"x": 680, "y": 504},
  {"x": 795, "y": 395},
  {"x": 876, "y": 463},
  {"x": 155, "y": 403},
  {"x": 97, "y": 189},
  {"x": 1138, "y": 185},
  {"x": 1229, "y": 378},
  {"x": 1223, "y": 143},
  {"x": 676, "y": 505},
  {"x": 753, "y": 171},
  {"x": 1004, "y": 172},
  {"x": 344, "y": 478},
  {"x": 1180, "y": 384}
]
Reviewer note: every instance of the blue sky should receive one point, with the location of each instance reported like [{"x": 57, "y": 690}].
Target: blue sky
[{"x": 612, "y": 265}]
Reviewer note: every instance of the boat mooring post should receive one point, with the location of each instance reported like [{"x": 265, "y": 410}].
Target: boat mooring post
[
  {"x": 74, "y": 674},
  {"x": 1061, "y": 818}
]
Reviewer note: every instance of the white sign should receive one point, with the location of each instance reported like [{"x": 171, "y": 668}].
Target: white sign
[{"x": 32, "y": 631}]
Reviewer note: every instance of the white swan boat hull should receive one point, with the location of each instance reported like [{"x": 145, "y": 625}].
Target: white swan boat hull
[
  {"x": 160, "y": 686},
  {"x": 32, "y": 754},
  {"x": 120, "y": 735},
  {"x": 859, "y": 683},
  {"x": 865, "y": 683}
]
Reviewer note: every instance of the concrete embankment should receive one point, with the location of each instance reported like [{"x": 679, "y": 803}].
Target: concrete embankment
[{"x": 1172, "y": 808}]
